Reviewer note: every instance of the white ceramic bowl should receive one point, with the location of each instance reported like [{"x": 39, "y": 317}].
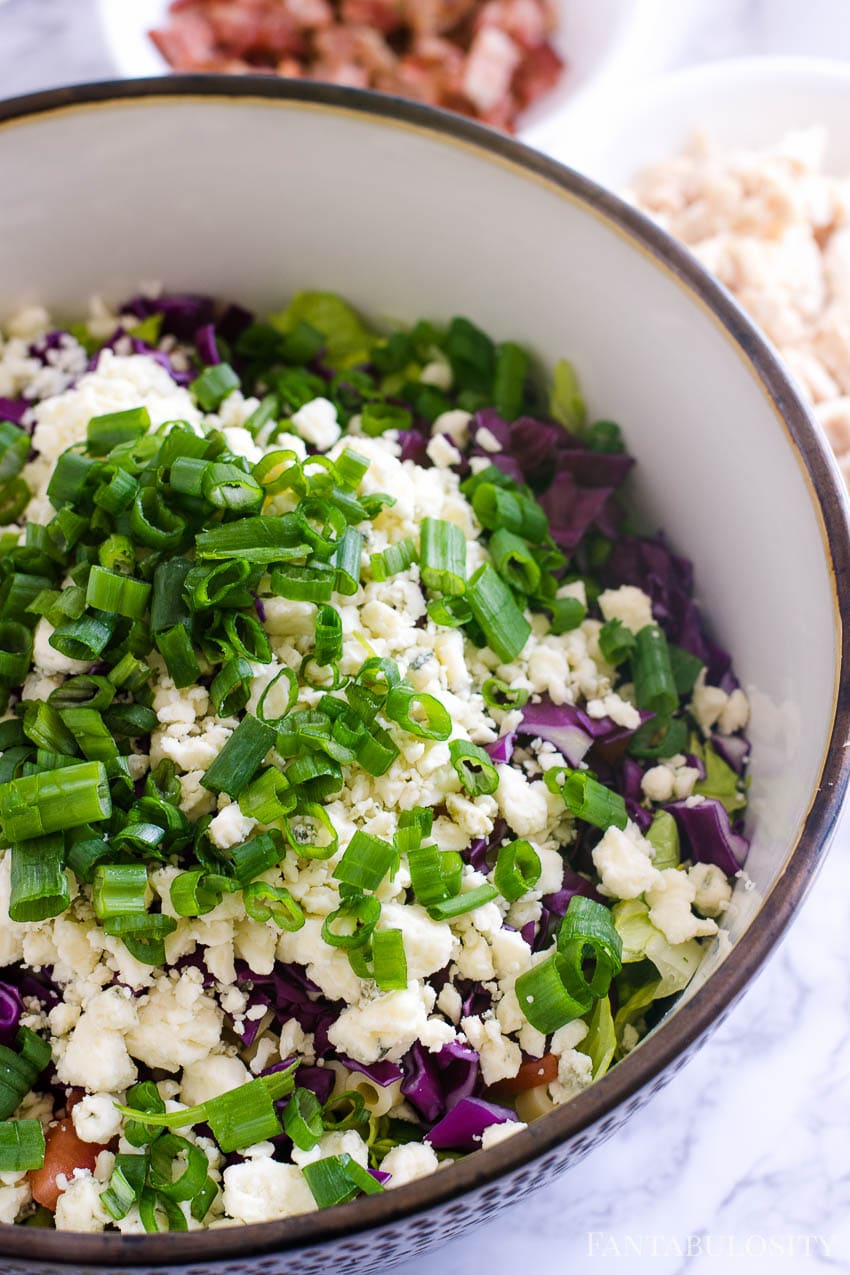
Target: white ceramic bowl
[
  {"x": 253, "y": 189},
  {"x": 607, "y": 44},
  {"x": 745, "y": 101}
]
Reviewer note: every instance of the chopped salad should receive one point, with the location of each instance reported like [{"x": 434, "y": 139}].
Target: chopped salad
[{"x": 368, "y": 787}]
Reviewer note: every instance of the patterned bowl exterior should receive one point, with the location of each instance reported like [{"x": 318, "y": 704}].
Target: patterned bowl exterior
[{"x": 375, "y": 1232}]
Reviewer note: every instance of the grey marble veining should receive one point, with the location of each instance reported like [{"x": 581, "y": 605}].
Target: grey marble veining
[{"x": 742, "y": 1164}]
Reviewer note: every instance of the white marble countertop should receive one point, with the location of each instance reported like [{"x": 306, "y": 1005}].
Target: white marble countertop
[{"x": 741, "y": 1164}]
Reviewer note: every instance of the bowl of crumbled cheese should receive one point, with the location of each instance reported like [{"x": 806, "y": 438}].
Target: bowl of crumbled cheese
[{"x": 747, "y": 163}]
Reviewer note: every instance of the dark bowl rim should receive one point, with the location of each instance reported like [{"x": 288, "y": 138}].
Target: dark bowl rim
[{"x": 695, "y": 1018}]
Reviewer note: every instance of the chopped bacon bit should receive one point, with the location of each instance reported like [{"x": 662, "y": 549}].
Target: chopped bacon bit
[
  {"x": 486, "y": 58},
  {"x": 538, "y": 73},
  {"x": 493, "y": 58}
]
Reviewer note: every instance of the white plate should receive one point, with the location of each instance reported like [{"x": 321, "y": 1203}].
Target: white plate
[{"x": 607, "y": 44}]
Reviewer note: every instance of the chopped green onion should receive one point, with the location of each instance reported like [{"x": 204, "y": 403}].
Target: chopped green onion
[
  {"x": 498, "y": 694},
  {"x": 302, "y": 1119},
  {"x": 168, "y": 1151},
  {"x": 218, "y": 584},
  {"x": 504, "y": 626},
  {"x": 119, "y": 889},
  {"x": 514, "y": 561},
  {"x": 237, "y": 763},
  {"x": 84, "y": 639},
  {"x": 91, "y": 733},
  {"x": 21, "y": 1145},
  {"x": 230, "y": 689},
  {"x": 472, "y": 356},
  {"x": 279, "y": 696},
  {"x": 655, "y": 688},
  {"x": 460, "y": 904},
  {"x": 191, "y": 893},
  {"x": 443, "y": 556},
  {"x": 685, "y": 667},
  {"x": 273, "y": 903},
  {"x": 257, "y": 855},
  {"x": 328, "y": 635},
  {"x": 155, "y": 1206},
  {"x": 659, "y": 737},
  {"x": 15, "y": 652},
  {"x": 546, "y": 997},
  {"x": 86, "y": 690},
  {"x": 509, "y": 380},
  {"x": 616, "y": 642},
  {"x": 498, "y": 507},
  {"x": 587, "y": 934},
  {"x": 419, "y": 713},
  {"x": 268, "y": 797},
  {"x": 365, "y": 862},
  {"x": 392, "y": 560},
  {"x": 20, "y": 1070},
  {"x": 389, "y": 962},
  {"x": 39, "y": 884},
  {"x": 312, "y": 583},
  {"x": 152, "y": 523},
  {"x": 345, "y": 1110},
  {"x": 53, "y": 801},
  {"x": 351, "y": 924},
  {"x": 310, "y": 832},
  {"x": 129, "y": 1174},
  {"x": 213, "y": 386},
  {"x": 113, "y": 428},
  {"x": 338, "y": 1178},
  {"x": 435, "y": 875},
  {"x": 69, "y": 478},
  {"x": 350, "y": 468},
  {"x": 346, "y": 562},
  {"x": 473, "y": 767},
  {"x": 229, "y": 487},
  {"x": 517, "y": 870},
  {"x": 377, "y": 418},
  {"x": 257, "y": 539},
  {"x": 143, "y": 934},
  {"x": 588, "y": 799}
]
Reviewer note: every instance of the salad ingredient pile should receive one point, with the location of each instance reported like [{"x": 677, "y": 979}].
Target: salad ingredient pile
[
  {"x": 367, "y": 787},
  {"x": 775, "y": 229},
  {"x": 491, "y": 59}
]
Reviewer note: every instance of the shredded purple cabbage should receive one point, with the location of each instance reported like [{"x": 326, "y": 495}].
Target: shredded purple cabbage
[
  {"x": 708, "y": 834},
  {"x": 434, "y": 1083},
  {"x": 14, "y": 410},
  {"x": 11, "y": 1008},
  {"x": 182, "y": 312},
  {"x": 461, "y": 1127},
  {"x": 381, "y": 1073},
  {"x": 501, "y": 750},
  {"x": 206, "y": 346},
  {"x": 733, "y": 749}
]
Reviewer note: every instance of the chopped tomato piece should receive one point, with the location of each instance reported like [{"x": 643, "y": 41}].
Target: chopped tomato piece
[
  {"x": 533, "y": 1072},
  {"x": 64, "y": 1152}
]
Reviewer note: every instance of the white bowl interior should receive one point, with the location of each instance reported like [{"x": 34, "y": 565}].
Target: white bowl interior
[
  {"x": 745, "y": 102},
  {"x": 359, "y": 204}
]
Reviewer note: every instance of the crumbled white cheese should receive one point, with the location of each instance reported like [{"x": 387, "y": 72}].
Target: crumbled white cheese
[
  {"x": 261, "y": 1190},
  {"x": 628, "y": 604},
  {"x": 624, "y": 863},
  {"x": 317, "y": 423},
  {"x": 669, "y": 901},
  {"x": 96, "y": 1117},
  {"x": 409, "y": 1161}
]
